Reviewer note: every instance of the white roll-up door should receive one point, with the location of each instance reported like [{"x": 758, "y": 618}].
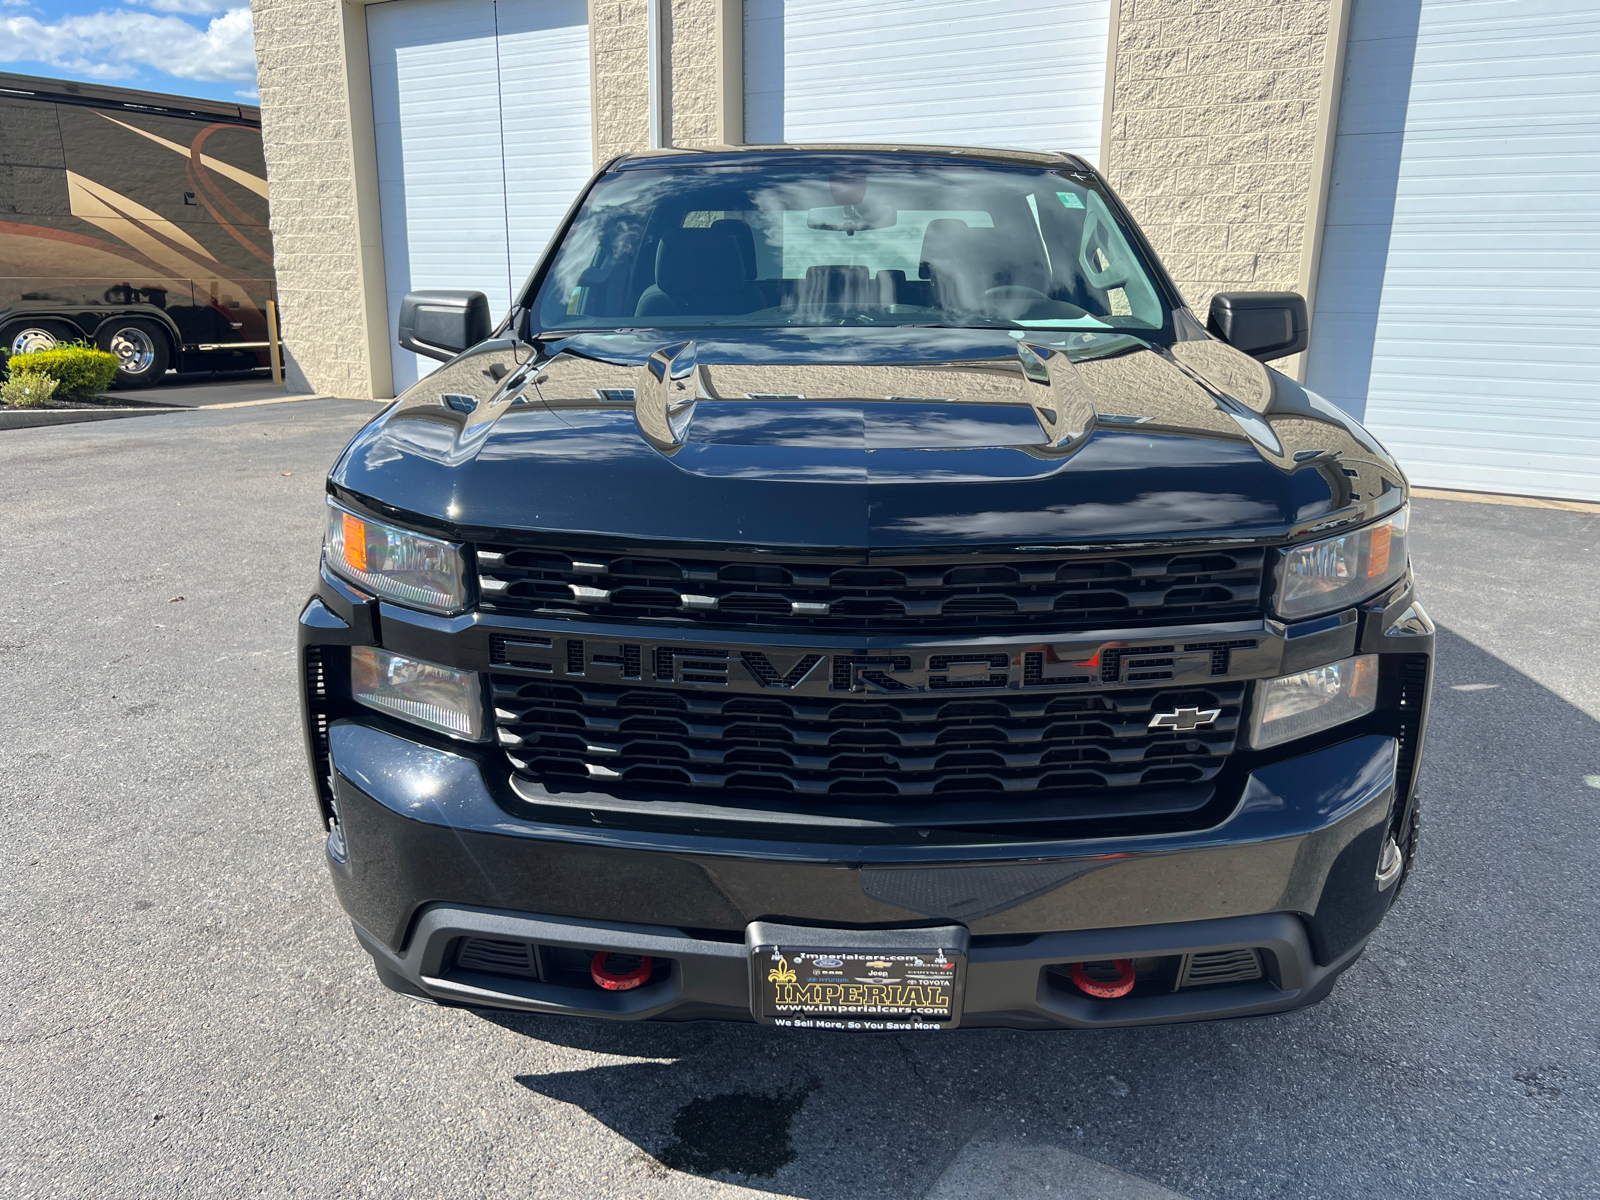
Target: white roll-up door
[
  {"x": 481, "y": 110},
  {"x": 1008, "y": 73},
  {"x": 1458, "y": 308}
]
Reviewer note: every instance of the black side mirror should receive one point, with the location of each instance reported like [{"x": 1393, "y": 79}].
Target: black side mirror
[
  {"x": 1265, "y": 325},
  {"x": 442, "y": 324}
]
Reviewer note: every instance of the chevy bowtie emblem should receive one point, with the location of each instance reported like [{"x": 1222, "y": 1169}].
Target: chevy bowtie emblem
[{"x": 1184, "y": 719}]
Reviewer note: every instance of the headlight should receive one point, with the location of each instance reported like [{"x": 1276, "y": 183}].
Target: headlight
[
  {"x": 438, "y": 697},
  {"x": 1293, "y": 706},
  {"x": 396, "y": 564},
  {"x": 1340, "y": 571}
]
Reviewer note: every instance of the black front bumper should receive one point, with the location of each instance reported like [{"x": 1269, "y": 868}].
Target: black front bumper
[
  {"x": 431, "y": 858},
  {"x": 1009, "y": 984}
]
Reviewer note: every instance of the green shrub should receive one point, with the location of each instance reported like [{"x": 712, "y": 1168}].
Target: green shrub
[
  {"x": 27, "y": 389},
  {"x": 78, "y": 370}
]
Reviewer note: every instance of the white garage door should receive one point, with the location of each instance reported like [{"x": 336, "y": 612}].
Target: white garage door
[
  {"x": 1011, "y": 73},
  {"x": 481, "y": 109},
  {"x": 1459, "y": 301}
]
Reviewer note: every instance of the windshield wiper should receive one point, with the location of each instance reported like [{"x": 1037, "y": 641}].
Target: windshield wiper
[{"x": 936, "y": 325}]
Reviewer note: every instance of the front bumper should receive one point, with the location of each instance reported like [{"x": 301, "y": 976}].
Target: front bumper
[{"x": 430, "y": 857}]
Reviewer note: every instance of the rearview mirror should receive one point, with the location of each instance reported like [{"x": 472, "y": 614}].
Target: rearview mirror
[
  {"x": 851, "y": 218},
  {"x": 441, "y": 324},
  {"x": 1265, "y": 325}
]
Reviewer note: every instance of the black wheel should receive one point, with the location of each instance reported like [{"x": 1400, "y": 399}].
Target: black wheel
[
  {"x": 24, "y": 337},
  {"x": 141, "y": 349}
]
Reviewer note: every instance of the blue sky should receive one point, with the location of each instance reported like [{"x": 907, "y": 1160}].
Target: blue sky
[{"x": 184, "y": 47}]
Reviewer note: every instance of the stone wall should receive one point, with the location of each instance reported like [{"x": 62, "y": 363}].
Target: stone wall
[
  {"x": 692, "y": 42},
  {"x": 619, "y": 32},
  {"x": 1213, "y": 130},
  {"x": 619, "y": 48},
  {"x": 311, "y": 182}
]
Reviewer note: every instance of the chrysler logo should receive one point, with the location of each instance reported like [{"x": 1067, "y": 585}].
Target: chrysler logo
[{"x": 1184, "y": 719}]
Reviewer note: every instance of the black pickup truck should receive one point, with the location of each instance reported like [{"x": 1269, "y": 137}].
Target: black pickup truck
[
  {"x": 135, "y": 222},
  {"x": 851, "y": 590}
]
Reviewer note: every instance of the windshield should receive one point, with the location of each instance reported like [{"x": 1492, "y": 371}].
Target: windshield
[{"x": 834, "y": 243}]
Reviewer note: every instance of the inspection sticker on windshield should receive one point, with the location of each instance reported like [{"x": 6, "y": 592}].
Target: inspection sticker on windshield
[
  {"x": 1069, "y": 200},
  {"x": 867, "y": 990}
]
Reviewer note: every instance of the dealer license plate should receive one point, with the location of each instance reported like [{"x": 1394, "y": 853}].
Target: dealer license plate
[{"x": 856, "y": 989}]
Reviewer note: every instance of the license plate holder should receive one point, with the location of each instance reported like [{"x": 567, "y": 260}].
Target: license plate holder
[{"x": 870, "y": 981}]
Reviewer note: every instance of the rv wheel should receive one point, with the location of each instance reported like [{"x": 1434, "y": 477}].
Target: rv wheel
[
  {"x": 141, "y": 350},
  {"x": 24, "y": 337}
]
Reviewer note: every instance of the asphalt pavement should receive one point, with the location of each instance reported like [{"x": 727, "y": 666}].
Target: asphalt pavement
[
  {"x": 183, "y": 1011},
  {"x": 202, "y": 388}
]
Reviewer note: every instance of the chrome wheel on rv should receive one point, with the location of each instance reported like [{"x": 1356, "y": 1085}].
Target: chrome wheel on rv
[
  {"x": 134, "y": 349},
  {"x": 142, "y": 350},
  {"x": 31, "y": 338}
]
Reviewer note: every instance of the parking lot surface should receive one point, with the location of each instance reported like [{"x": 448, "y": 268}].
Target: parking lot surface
[{"x": 184, "y": 1012}]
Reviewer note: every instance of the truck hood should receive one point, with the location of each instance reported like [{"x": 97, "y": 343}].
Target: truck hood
[{"x": 868, "y": 439}]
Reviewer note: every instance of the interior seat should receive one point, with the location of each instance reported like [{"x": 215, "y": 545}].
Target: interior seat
[
  {"x": 702, "y": 272},
  {"x": 963, "y": 264},
  {"x": 829, "y": 284}
]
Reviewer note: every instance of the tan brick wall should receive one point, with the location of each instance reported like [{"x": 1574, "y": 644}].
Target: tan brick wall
[
  {"x": 619, "y": 50},
  {"x": 692, "y": 41},
  {"x": 1214, "y": 118},
  {"x": 619, "y": 32},
  {"x": 312, "y": 194}
]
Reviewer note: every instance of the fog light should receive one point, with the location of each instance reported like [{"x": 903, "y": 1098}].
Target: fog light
[
  {"x": 1294, "y": 706},
  {"x": 440, "y": 698}
]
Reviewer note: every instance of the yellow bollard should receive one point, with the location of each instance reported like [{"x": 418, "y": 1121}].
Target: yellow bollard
[{"x": 272, "y": 342}]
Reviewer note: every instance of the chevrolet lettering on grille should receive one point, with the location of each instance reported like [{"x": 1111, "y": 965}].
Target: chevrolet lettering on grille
[{"x": 870, "y": 671}]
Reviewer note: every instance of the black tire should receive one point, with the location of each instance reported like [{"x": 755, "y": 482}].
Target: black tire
[
  {"x": 141, "y": 347},
  {"x": 19, "y": 337},
  {"x": 1409, "y": 850}
]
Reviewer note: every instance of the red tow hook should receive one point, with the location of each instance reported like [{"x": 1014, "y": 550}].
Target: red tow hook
[
  {"x": 623, "y": 982},
  {"x": 1106, "y": 990}
]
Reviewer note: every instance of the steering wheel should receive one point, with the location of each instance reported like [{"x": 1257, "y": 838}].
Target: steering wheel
[
  {"x": 1015, "y": 291},
  {"x": 1012, "y": 300}
]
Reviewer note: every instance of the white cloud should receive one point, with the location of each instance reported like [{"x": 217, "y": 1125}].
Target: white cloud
[
  {"x": 109, "y": 45},
  {"x": 194, "y": 8}
]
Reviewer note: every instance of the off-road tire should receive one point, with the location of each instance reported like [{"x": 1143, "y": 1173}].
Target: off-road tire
[{"x": 1410, "y": 848}]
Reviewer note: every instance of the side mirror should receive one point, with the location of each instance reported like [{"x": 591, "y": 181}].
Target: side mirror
[
  {"x": 1265, "y": 325},
  {"x": 442, "y": 324}
]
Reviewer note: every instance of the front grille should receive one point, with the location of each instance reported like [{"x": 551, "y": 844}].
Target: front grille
[
  {"x": 771, "y": 591},
  {"x": 604, "y": 738},
  {"x": 315, "y": 682},
  {"x": 1219, "y": 966},
  {"x": 1413, "y": 674},
  {"x": 497, "y": 956}
]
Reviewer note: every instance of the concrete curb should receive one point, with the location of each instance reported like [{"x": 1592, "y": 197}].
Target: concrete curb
[
  {"x": 29, "y": 418},
  {"x": 267, "y": 400},
  {"x": 1584, "y": 506}
]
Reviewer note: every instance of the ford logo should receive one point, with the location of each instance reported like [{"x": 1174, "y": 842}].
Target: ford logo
[{"x": 826, "y": 962}]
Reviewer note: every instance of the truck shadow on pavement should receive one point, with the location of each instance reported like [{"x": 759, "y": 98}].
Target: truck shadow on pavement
[{"x": 1462, "y": 1024}]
